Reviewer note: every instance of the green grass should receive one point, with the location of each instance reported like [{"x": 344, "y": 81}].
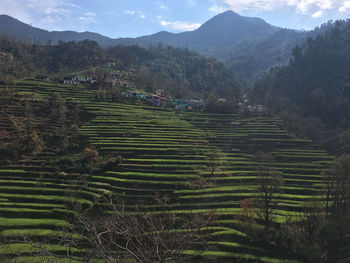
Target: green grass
[
  {"x": 116, "y": 180},
  {"x": 20, "y": 248},
  {"x": 217, "y": 189},
  {"x": 20, "y": 222},
  {"x": 12, "y": 171},
  {"x": 236, "y": 245},
  {"x": 53, "y": 198},
  {"x": 167, "y": 161},
  {"x": 169, "y": 176},
  {"x": 240, "y": 256},
  {"x": 30, "y": 232},
  {"x": 17, "y": 204}
]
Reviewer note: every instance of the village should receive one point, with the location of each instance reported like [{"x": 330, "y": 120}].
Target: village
[{"x": 159, "y": 98}]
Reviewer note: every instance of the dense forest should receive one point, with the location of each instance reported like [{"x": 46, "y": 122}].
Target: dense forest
[
  {"x": 182, "y": 72},
  {"x": 312, "y": 93}
]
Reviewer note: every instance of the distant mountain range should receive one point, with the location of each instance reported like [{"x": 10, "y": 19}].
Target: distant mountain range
[{"x": 247, "y": 45}]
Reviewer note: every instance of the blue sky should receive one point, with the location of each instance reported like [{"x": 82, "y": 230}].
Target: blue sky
[{"x": 131, "y": 18}]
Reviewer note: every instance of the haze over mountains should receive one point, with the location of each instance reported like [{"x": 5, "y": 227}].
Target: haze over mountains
[{"x": 247, "y": 45}]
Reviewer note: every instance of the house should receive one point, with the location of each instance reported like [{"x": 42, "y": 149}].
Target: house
[
  {"x": 72, "y": 80},
  {"x": 180, "y": 104},
  {"x": 222, "y": 100},
  {"x": 163, "y": 101},
  {"x": 110, "y": 81},
  {"x": 91, "y": 80},
  {"x": 196, "y": 104},
  {"x": 127, "y": 94},
  {"x": 255, "y": 108},
  {"x": 131, "y": 94},
  {"x": 118, "y": 74},
  {"x": 6, "y": 55},
  {"x": 111, "y": 64},
  {"x": 160, "y": 92}
]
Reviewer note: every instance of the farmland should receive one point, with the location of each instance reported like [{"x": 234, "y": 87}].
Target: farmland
[{"x": 173, "y": 161}]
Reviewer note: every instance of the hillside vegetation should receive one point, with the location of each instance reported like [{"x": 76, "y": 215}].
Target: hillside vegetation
[
  {"x": 312, "y": 93},
  {"x": 180, "y": 72}
]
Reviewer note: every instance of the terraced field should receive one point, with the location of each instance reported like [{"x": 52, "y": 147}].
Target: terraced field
[{"x": 167, "y": 167}]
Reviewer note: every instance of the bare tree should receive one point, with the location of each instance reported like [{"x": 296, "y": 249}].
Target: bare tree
[
  {"x": 213, "y": 159},
  {"x": 3, "y": 258},
  {"x": 311, "y": 220},
  {"x": 247, "y": 216},
  {"x": 270, "y": 182},
  {"x": 141, "y": 235},
  {"x": 114, "y": 235},
  {"x": 337, "y": 186}
]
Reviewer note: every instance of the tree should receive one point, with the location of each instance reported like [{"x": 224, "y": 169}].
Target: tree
[
  {"x": 10, "y": 86},
  {"x": 269, "y": 185},
  {"x": 213, "y": 159},
  {"x": 247, "y": 216},
  {"x": 3, "y": 258},
  {"x": 300, "y": 237},
  {"x": 337, "y": 189},
  {"x": 143, "y": 236},
  {"x": 58, "y": 108}
]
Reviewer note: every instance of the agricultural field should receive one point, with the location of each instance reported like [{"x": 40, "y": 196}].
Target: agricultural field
[{"x": 191, "y": 162}]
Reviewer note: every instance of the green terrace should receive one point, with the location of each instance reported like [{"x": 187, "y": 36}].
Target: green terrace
[{"x": 167, "y": 155}]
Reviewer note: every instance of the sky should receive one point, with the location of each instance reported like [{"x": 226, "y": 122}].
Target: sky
[{"x": 132, "y": 18}]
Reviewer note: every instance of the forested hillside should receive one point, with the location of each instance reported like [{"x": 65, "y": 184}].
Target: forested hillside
[
  {"x": 182, "y": 72},
  {"x": 312, "y": 94}
]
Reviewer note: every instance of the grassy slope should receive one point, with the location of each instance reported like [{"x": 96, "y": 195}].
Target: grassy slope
[{"x": 166, "y": 158}]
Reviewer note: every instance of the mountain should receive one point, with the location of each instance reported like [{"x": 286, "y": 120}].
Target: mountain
[
  {"x": 12, "y": 27},
  {"x": 247, "y": 45},
  {"x": 223, "y": 30}
]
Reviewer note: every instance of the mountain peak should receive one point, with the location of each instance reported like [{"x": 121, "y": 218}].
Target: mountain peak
[
  {"x": 228, "y": 13},
  {"x": 230, "y": 17},
  {"x": 229, "y": 28}
]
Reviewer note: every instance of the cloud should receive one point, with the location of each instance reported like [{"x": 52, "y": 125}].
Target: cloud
[
  {"x": 89, "y": 16},
  {"x": 345, "y": 7},
  {"x": 218, "y": 9},
  {"x": 313, "y": 8},
  {"x": 162, "y": 6},
  {"x": 15, "y": 9},
  {"x": 180, "y": 25},
  {"x": 307, "y": 6},
  {"x": 130, "y": 12},
  {"x": 317, "y": 14},
  {"x": 192, "y": 2},
  {"x": 253, "y": 5},
  {"x": 112, "y": 13},
  {"x": 48, "y": 14},
  {"x": 133, "y": 12}
]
